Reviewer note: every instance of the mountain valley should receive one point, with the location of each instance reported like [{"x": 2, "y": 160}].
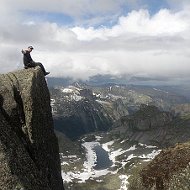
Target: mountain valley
[{"x": 108, "y": 133}]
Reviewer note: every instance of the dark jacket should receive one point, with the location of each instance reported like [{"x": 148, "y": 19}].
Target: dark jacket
[{"x": 27, "y": 60}]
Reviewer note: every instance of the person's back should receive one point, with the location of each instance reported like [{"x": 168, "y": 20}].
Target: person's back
[{"x": 28, "y": 61}]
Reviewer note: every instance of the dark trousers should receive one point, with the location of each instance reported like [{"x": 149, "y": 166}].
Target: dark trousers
[{"x": 34, "y": 64}]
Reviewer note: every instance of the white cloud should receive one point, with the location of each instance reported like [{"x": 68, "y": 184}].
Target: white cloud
[
  {"x": 177, "y": 5},
  {"x": 69, "y": 7},
  {"x": 137, "y": 44},
  {"x": 140, "y": 23}
]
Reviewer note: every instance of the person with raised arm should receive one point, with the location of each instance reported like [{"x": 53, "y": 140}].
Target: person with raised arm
[{"x": 28, "y": 61}]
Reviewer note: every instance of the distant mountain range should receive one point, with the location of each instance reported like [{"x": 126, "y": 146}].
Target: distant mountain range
[
  {"x": 82, "y": 108},
  {"x": 132, "y": 123},
  {"x": 177, "y": 85}
]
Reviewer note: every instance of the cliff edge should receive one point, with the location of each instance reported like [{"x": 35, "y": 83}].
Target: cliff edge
[{"x": 29, "y": 154}]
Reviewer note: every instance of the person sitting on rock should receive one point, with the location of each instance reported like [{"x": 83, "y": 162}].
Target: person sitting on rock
[{"x": 28, "y": 61}]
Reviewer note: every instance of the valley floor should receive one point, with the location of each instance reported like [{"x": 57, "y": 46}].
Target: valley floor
[{"x": 123, "y": 156}]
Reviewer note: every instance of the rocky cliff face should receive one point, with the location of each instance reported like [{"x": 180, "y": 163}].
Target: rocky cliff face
[
  {"x": 78, "y": 112},
  {"x": 80, "y": 108},
  {"x": 151, "y": 126},
  {"x": 29, "y": 155}
]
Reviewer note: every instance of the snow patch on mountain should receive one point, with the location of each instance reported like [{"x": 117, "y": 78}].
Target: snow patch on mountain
[
  {"x": 88, "y": 171},
  {"x": 88, "y": 166},
  {"x": 67, "y": 90},
  {"x": 160, "y": 90},
  {"x": 150, "y": 156},
  {"x": 124, "y": 182},
  {"x": 103, "y": 102}
]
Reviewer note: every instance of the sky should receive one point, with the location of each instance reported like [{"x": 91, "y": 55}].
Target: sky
[{"x": 82, "y": 38}]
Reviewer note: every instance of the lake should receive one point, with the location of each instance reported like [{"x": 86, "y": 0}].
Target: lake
[{"x": 103, "y": 160}]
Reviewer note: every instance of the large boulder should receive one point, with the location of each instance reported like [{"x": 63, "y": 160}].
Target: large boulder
[{"x": 29, "y": 154}]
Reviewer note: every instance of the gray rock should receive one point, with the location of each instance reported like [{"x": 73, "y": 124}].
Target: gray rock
[{"x": 29, "y": 154}]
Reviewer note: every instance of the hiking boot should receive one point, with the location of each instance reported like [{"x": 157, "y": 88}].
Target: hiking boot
[{"x": 47, "y": 73}]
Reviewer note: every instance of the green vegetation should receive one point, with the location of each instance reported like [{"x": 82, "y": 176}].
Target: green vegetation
[
  {"x": 108, "y": 182},
  {"x": 135, "y": 179}
]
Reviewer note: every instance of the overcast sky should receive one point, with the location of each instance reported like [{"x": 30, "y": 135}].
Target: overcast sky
[{"x": 81, "y": 38}]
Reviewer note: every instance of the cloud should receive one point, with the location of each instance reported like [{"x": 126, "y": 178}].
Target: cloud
[
  {"x": 140, "y": 23},
  {"x": 69, "y": 7},
  {"x": 138, "y": 43},
  {"x": 178, "y": 5}
]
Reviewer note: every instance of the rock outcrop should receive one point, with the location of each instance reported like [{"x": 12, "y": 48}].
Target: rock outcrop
[
  {"x": 169, "y": 170},
  {"x": 29, "y": 154},
  {"x": 152, "y": 126},
  {"x": 78, "y": 112}
]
